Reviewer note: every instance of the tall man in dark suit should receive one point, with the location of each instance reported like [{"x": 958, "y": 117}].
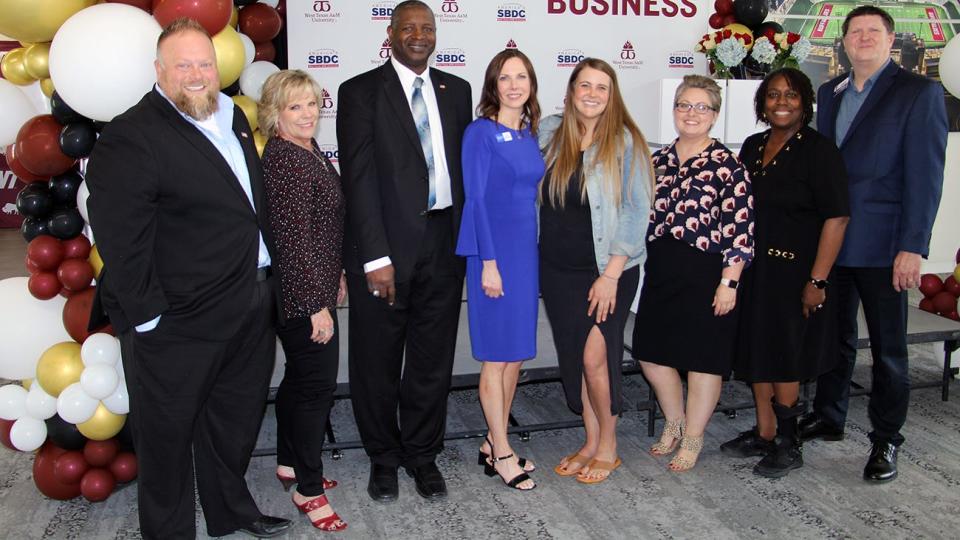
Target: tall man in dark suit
[
  {"x": 891, "y": 128},
  {"x": 176, "y": 203},
  {"x": 399, "y": 128}
]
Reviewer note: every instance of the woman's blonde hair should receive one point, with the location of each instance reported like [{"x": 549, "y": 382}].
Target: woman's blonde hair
[
  {"x": 276, "y": 93},
  {"x": 701, "y": 82},
  {"x": 563, "y": 152}
]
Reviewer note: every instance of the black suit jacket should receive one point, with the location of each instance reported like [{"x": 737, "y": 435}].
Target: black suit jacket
[
  {"x": 383, "y": 168},
  {"x": 175, "y": 229}
]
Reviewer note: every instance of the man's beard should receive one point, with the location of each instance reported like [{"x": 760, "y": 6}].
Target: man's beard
[{"x": 200, "y": 107}]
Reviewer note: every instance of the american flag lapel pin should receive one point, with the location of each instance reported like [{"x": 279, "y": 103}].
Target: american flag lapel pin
[
  {"x": 443, "y": 86},
  {"x": 243, "y": 134}
]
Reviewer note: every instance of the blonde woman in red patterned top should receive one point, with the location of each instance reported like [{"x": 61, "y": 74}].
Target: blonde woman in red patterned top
[{"x": 306, "y": 213}]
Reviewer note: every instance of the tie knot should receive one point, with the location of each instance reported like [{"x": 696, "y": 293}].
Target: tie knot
[{"x": 417, "y": 83}]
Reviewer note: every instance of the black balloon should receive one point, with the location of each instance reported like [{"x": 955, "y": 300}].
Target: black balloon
[
  {"x": 98, "y": 125},
  {"x": 63, "y": 188},
  {"x": 32, "y": 228},
  {"x": 62, "y": 112},
  {"x": 77, "y": 139},
  {"x": 750, "y": 13},
  {"x": 244, "y": 2},
  {"x": 64, "y": 434},
  {"x": 763, "y": 28},
  {"x": 233, "y": 89},
  {"x": 35, "y": 200},
  {"x": 65, "y": 224}
]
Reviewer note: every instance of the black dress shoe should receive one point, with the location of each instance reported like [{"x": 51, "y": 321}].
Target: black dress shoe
[
  {"x": 383, "y": 483},
  {"x": 429, "y": 480},
  {"x": 811, "y": 427},
  {"x": 266, "y": 527},
  {"x": 882, "y": 464}
]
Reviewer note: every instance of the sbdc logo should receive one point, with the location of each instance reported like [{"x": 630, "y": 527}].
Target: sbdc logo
[
  {"x": 451, "y": 58},
  {"x": 331, "y": 152},
  {"x": 681, "y": 59},
  {"x": 511, "y": 12},
  {"x": 382, "y": 11},
  {"x": 569, "y": 57},
  {"x": 323, "y": 58}
]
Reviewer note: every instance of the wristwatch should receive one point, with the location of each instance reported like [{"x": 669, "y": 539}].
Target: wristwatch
[
  {"x": 819, "y": 283},
  {"x": 732, "y": 283}
]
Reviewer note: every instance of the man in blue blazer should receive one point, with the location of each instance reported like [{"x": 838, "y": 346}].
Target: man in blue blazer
[{"x": 891, "y": 128}]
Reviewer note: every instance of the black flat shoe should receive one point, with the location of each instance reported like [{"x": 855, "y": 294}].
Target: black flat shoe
[
  {"x": 383, "y": 486},
  {"x": 748, "y": 444},
  {"x": 266, "y": 527},
  {"x": 429, "y": 481},
  {"x": 811, "y": 426},
  {"x": 882, "y": 463}
]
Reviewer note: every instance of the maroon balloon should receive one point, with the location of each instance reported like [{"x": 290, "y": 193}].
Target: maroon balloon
[
  {"x": 124, "y": 467},
  {"x": 723, "y": 7},
  {"x": 951, "y": 286},
  {"x": 75, "y": 274},
  {"x": 944, "y": 302},
  {"x": 5, "y": 427},
  {"x": 46, "y": 252},
  {"x": 43, "y": 285},
  {"x": 70, "y": 467},
  {"x": 264, "y": 51},
  {"x": 44, "y": 478},
  {"x": 97, "y": 485},
  {"x": 728, "y": 19},
  {"x": 101, "y": 453},
  {"x": 282, "y": 10},
  {"x": 145, "y": 5},
  {"x": 715, "y": 21},
  {"x": 30, "y": 265},
  {"x": 38, "y": 147},
  {"x": 76, "y": 314},
  {"x": 260, "y": 22},
  {"x": 952, "y": 315},
  {"x": 213, "y": 15},
  {"x": 77, "y": 247},
  {"x": 13, "y": 162},
  {"x": 930, "y": 285},
  {"x": 927, "y": 305}
]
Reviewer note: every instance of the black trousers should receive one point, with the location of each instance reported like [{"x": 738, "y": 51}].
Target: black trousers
[
  {"x": 304, "y": 400},
  {"x": 401, "y": 357},
  {"x": 195, "y": 409},
  {"x": 885, "y": 311}
]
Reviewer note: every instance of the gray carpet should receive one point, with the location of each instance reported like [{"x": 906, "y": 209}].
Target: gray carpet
[{"x": 720, "y": 498}]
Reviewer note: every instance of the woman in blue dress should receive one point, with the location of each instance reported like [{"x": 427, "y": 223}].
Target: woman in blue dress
[{"x": 498, "y": 237}]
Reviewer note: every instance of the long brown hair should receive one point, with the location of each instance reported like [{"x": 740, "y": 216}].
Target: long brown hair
[
  {"x": 489, "y": 106},
  {"x": 563, "y": 152}
]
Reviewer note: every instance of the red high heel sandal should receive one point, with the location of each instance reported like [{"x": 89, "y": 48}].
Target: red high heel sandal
[{"x": 328, "y": 523}]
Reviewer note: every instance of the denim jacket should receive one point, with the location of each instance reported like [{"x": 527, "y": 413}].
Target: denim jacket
[{"x": 616, "y": 231}]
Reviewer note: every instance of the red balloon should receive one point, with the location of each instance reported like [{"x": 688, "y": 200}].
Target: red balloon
[
  {"x": 75, "y": 274},
  {"x": 145, "y": 5},
  {"x": 77, "y": 247},
  {"x": 953, "y": 315},
  {"x": 213, "y": 15},
  {"x": 951, "y": 286},
  {"x": 38, "y": 147},
  {"x": 44, "y": 478},
  {"x": 260, "y": 22},
  {"x": 716, "y": 21},
  {"x": 101, "y": 453},
  {"x": 5, "y": 427},
  {"x": 13, "y": 162},
  {"x": 282, "y": 10},
  {"x": 46, "y": 252},
  {"x": 30, "y": 265},
  {"x": 264, "y": 51},
  {"x": 97, "y": 485},
  {"x": 927, "y": 305},
  {"x": 70, "y": 467},
  {"x": 76, "y": 314},
  {"x": 930, "y": 285},
  {"x": 944, "y": 302},
  {"x": 43, "y": 285},
  {"x": 728, "y": 19},
  {"x": 124, "y": 467},
  {"x": 723, "y": 7}
]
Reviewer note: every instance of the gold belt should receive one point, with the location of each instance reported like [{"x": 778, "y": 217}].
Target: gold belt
[{"x": 782, "y": 253}]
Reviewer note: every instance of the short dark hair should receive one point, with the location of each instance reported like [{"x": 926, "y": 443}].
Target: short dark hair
[
  {"x": 407, "y": 4},
  {"x": 489, "y": 105},
  {"x": 797, "y": 81},
  {"x": 860, "y": 11}
]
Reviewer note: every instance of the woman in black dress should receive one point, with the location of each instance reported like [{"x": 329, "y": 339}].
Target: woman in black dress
[{"x": 788, "y": 318}]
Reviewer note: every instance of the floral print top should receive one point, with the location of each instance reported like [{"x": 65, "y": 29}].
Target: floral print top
[{"x": 705, "y": 201}]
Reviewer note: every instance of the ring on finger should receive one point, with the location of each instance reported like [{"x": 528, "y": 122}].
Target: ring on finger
[{"x": 376, "y": 292}]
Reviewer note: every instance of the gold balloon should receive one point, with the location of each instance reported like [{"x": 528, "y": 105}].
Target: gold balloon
[
  {"x": 249, "y": 108},
  {"x": 102, "y": 425},
  {"x": 59, "y": 367},
  {"x": 36, "y": 60},
  {"x": 234, "y": 17},
  {"x": 37, "y": 20},
  {"x": 230, "y": 55},
  {"x": 14, "y": 69},
  {"x": 738, "y": 28},
  {"x": 95, "y": 261},
  {"x": 46, "y": 86},
  {"x": 260, "y": 140},
  {"x": 27, "y": 383}
]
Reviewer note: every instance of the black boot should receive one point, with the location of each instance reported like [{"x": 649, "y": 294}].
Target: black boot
[{"x": 788, "y": 454}]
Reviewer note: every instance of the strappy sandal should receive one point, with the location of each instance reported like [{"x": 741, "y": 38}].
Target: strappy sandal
[
  {"x": 673, "y": 428},
  {"x": 331, "y": 523},
  {"x": 599, "y": 465},
  {"x": 563, "y": 469},
  {"x": 683, "y": 464},
  {"x": 516, "y": 480},
  {"x": 483, "y": 459}
]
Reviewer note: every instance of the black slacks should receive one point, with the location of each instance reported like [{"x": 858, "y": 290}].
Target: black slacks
[
  {"x": 401, "y": 357},
  {"x": 304, "y": 400},
  {"x": 195, "y": 409},
  {"x": 885, "y": 311}
]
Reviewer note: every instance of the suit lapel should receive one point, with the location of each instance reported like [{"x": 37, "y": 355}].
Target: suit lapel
[
  {"x": 245, "y": 136},
  {"x": 880, "y": 87},
  {"x": 829, "y": 108},
  {"x": 397, "y": 97}
]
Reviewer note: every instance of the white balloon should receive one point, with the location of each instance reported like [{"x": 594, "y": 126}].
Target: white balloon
[
  {"x": 15, "y": 109},
  {"x": 249, "y": 49},
  {"x": 950, "y": 67},
  {"x": 13, "y": 401},
  {"x": 100, "y": 348},
  {"x": 83, "y": 192},
  {"x": 28, "y": 327},
  {"x": 40, "y": 404},
  {"x": 119, "y": 367},
  {"x": 99, "y": 380},
  {"x": 27, "y": 434},
  {"x": 119, "y": 401},
  {"x": 101, "y": 59},
  {"x": 74, "y": 405},
  {"x": 253, "y": 77}
]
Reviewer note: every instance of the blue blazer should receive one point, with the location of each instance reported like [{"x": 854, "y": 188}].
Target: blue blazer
[{"x": 894, "y": 152}]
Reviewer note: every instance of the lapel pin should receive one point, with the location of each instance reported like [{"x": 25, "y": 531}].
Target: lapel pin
[
  {"x": 243, "y": 134},
  {"x": 443, "y": 86},
  {"x": 841, "y": 87}
]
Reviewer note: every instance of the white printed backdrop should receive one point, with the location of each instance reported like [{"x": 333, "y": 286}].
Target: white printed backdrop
[{"x": 645, "y": 40}]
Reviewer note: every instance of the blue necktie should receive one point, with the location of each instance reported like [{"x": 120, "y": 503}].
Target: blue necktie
[{"x": 422, "y": 121}]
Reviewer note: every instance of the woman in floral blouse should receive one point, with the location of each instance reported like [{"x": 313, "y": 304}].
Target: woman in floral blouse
[{"x": 699, "y": 239}]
